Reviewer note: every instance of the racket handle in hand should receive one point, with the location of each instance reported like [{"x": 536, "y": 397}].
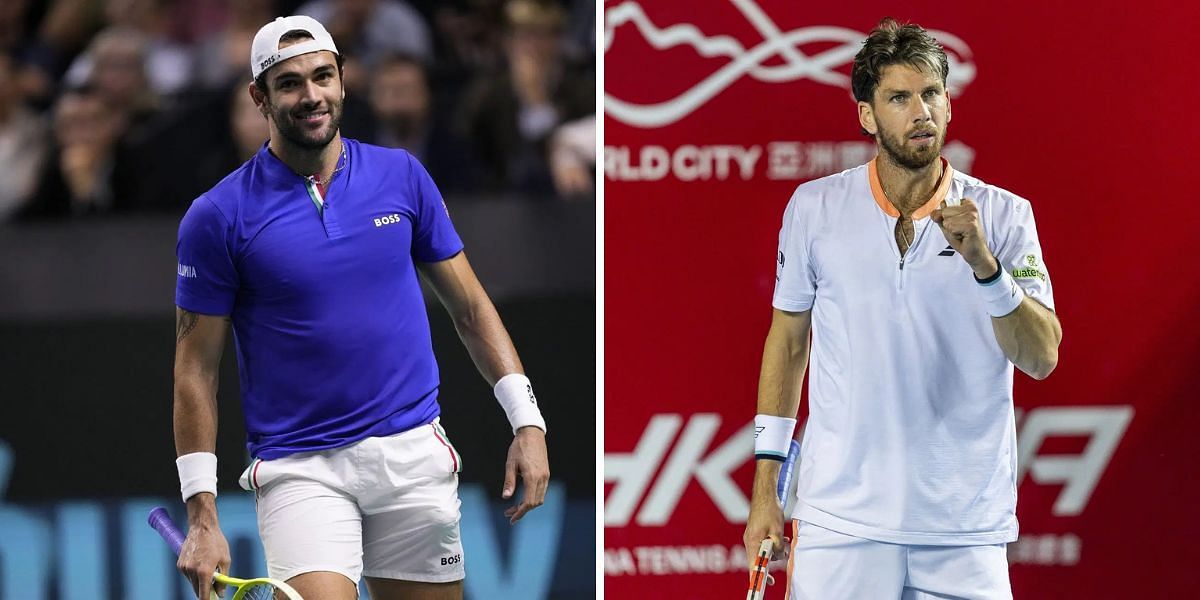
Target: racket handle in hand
[
  {"x": 758, "y": 576},
  {"x": 162, "y": 523}
]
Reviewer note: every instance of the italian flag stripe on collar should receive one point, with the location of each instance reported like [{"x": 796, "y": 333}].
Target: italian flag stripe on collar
[{"x": 314, "y": 193}]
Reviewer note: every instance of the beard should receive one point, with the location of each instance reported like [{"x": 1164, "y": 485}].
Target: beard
[
  {"x": 901, "y": 153},
  {"x": 297, "y": 134}
]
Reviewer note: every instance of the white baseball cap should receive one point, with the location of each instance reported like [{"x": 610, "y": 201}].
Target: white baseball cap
[{"x": 265, "y": 51}]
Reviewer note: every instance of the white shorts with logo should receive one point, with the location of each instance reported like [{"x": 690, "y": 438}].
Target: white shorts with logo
[
  {"x": 828, "y": 565},
  {"x": 382, "y": 507}
]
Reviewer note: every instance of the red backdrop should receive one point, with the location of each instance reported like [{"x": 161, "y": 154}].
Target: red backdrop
[{"x": 715, "y": 111}]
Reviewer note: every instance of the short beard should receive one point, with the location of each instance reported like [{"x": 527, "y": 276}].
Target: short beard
[
  {"x": 294, "y": 134},
  {"x": 900, "y": 155}
]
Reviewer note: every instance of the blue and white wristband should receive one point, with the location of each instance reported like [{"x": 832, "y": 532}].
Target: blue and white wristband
[{"x": 772, "y": 437}]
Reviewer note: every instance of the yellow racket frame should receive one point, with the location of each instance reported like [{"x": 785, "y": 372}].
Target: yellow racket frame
[{"x": 245, "y": 585}]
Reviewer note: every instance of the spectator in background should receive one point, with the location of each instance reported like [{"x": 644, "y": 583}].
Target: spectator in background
[
  {"x": 23, "y": 143},
  {"x": 166, "y": 61},
  {"x": 80, "y": 178},
  {"x": 222, "y": 56},
  {"x": 581, "y": 34},
  {"x": 573, "y": 159},
  {"x": 117, "y": 72},
  {"x": 366, "y": 31},
  {"x": 247, "y": 128},
  {"x": 510, "y": 115},
  {"x": 467, "y": 36},
  {"x": 226, "y": 129},
  {"x": 404, "y": 114},
  {"x": 63, "y": 31},
  {"x": 18, "y": 37},
  {"x": 12, "y": 23}
]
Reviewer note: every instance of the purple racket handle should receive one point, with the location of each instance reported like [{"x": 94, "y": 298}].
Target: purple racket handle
[{"x": 162, "y": 523}]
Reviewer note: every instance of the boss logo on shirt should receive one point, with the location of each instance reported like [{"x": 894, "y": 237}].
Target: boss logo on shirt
[
  {"x": 388, "y": 220},
  {"x": 452, "y": 560}
]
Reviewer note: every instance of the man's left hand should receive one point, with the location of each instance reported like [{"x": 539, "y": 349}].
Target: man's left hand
[
  {"x": 527, "y": 458},
  {"x": 964, "y": 231}
]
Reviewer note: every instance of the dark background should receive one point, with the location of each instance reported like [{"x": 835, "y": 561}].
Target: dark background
[{"x": 87, "y": 339}]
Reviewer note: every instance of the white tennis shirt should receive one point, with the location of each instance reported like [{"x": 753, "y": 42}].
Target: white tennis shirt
[{"x": 910, "y": 436}]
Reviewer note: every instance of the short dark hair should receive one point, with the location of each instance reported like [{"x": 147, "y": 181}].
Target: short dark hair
[
  {"x": 893, "y": 43},
  {"x": 291, "y": 36}
]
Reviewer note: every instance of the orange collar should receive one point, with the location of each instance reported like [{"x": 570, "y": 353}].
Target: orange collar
[{"x": 886, "y": 205}]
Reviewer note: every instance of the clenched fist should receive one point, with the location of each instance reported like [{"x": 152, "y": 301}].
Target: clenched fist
[{"x": 964, "y": 231}]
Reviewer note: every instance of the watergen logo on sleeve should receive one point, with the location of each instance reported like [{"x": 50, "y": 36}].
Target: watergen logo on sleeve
[{"x": 1030, "y": 270}]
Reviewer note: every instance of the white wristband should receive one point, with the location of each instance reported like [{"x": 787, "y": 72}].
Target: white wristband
[
  {"x": 1001, "y": 294},
  {"x": 772, "y": 436},
  {"x": 515, "y": 394},
  {"x": 197, "y": 473}
]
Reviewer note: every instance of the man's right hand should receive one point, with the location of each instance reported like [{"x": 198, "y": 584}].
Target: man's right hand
[
  {"x": 765, "y": 521},
  {"x": 205, "y": 550}
]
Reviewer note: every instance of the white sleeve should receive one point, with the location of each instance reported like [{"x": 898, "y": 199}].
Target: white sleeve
[
  {"x": 795, "y": 281},
  {"x": 1020, "y": 252}
]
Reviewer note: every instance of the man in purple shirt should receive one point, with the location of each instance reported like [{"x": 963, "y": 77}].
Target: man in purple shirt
[{"x": 312, "y": 251}]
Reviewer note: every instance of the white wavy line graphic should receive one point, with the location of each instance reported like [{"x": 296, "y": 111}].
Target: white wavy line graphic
[{"x": 818, "y": 67}]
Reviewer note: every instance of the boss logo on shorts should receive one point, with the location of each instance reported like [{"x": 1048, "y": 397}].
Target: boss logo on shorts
[
  {"x": 388, "y": 220},
  {"x": 451, "y": 560}
]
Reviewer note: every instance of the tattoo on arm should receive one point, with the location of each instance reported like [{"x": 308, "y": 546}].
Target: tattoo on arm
[{"x": 185, "y": 324}]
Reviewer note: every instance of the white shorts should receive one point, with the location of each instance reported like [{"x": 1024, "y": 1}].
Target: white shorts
[
  {"x": 383, "y": 507},
  {"x": 828, "y": 565}
]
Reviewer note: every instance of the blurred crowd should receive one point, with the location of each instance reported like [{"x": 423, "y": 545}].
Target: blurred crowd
[{"x": 139, "y": 106}]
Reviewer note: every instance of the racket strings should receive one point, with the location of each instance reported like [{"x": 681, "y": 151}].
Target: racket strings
[{"x": 261, "y": 592}]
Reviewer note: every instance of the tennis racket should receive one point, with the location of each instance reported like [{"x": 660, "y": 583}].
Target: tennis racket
[
  {"x": 245, "y": 589},
  {"x": 783, "y": 489}
]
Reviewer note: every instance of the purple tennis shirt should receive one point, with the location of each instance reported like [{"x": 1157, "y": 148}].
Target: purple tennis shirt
[{"x": 329, "y": 322}]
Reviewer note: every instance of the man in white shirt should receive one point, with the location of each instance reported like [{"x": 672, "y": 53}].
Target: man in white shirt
[{"x": 906, "y": 486}]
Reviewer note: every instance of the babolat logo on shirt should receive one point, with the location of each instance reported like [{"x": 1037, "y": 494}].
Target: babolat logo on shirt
[
  {"x": 1030, "y": 270},
  {"x": 186, "y": 270},
  {"x": 388, "y": 220}
]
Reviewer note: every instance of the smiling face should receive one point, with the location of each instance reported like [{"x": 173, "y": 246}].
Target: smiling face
[
  {"x": 908, "y": 116},
  {"x": 303, "y": 99}
]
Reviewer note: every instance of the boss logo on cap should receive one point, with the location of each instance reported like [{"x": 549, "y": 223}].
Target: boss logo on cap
[{"x": 270, "y": 61}]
